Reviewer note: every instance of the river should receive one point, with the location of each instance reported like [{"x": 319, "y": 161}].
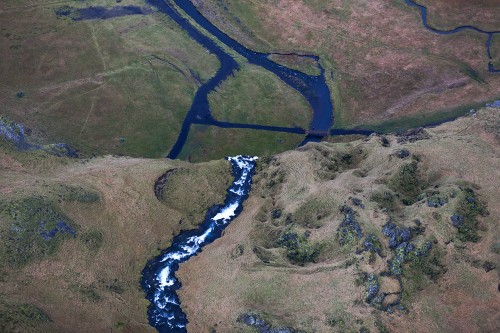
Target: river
[{"x": 158, "y": 277}]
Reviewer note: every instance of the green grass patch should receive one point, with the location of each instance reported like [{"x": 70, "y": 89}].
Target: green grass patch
[
  {"x": 91, "y": 83},
  {"x": 256, "y": 96},
  {"x": 469, "y": 207},
  {"x": 422, "y": 119},
  {"x": 312, "y": 213},
  {"x": 92, "y": 239},
  {"x": 210, "y": 143},
  {"x": 420, "y": 271}
]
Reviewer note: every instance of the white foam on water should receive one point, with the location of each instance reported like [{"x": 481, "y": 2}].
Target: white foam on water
[
  {"x": 238, "y": 191},
  {"x": 227, "y": 212},
  {"x": 174, "y": 256},
  {"x": 164, "y": 278},
  {"x": 197, "y": 240},
  {"x": 171, "y": 300}
]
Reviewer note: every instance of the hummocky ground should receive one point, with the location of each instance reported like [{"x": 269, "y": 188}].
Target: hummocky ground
[{"x": 309, "y": 252}]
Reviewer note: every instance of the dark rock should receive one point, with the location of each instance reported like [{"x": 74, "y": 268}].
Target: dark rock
[
  {"x": 161, "y": 182},
  {"x": 436, "y": 201},
  {"x": 457, "y": 220},
  {"x": 254, "y": 320},
  {"x": 413, "y": 135},
  {"x": 403, "y": 153},
  {"x": 15, "y": 133},
  {"x": 396, "y": 234},
  {"x": 372, "y": 287},
  {"x": 61, "y": 150},
  {"x": 372, "y": 243},
  {"x": 289, "y": 240},
  {"x": 384, "y": 141},
  {"x": 488, "y": 266},
  {"x": 349, "y": 230},
  {"x": 357, "y": 202},
  {"x": 276, "y": 214},
  {"x": 251, "y": 319},
  {"x": 495, "y": 104}
]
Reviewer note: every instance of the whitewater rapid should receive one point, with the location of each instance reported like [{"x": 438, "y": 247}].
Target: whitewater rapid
[{"x": 158, "y": 277}]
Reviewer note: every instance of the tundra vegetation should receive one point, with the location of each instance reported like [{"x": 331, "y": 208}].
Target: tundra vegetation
[{"x": 359, "y": 235}]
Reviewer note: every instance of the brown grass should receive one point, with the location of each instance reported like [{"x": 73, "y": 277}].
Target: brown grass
[
  {"x": 218, "y": 287},
  {"x": 134, "y": 224}
]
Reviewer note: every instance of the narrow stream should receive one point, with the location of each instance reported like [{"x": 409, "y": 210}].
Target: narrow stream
[
  {"x": 158, "y": 277},
  {"x": 489, "y": 34}
]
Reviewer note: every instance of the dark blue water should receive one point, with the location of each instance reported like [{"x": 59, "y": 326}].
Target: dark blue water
[
  {"x": 312, "y": 87},
  {"x": 489, "y": 34},
  {"x": 158, "y": 277},
  {"x": 61, "y": 227}
]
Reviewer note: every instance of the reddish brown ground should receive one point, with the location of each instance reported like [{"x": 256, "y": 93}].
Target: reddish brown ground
[{"x": 385, "y": 63}]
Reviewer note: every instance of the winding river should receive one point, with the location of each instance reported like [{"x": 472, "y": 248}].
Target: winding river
[
  {"x": 158, "y": 277},
  {"x": 489, "y": 34},
  {"x": 312, "y": 87}
]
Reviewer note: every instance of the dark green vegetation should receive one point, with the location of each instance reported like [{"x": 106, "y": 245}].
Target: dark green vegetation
[
  {"x": 37, "y": 226},
  {"x": 467, "y": 208},
  {"x": 23, "y": 317},
  {"x": 37, "y": 230},
  {"x": 299, "y": 248},
  {"x": 407, "y": 182}
]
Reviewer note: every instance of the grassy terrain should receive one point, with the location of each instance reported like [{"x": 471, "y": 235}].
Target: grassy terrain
[
  {"x": 117, "y": 86},
  {"x": 119, "y": 224},
  {"x": 447, "y": 15},
  {"x": 495, "y": 51},
  {"x": 303, "y": 64},
  {"x": 208, "y": 142},
  {"x": 405, "y": 123},
  {"x": 385, "y": 64},
  {"x": 256, "y": 96},
  {"x": 283, "y": 260}
]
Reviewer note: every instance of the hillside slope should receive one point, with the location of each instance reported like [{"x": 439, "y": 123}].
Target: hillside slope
[
  {"x": 395, "y": 233},
  {"x": 76, "y": 234}
]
